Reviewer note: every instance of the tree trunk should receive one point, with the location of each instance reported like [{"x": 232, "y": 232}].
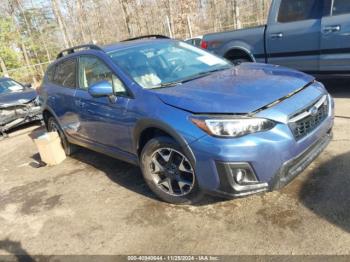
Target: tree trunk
[
  {"x": 23, "y": 48},
  {"x": 60, "y": 21},
  {"x": 236, "y": 10},
  {"x": 3, "y": 68},
  {"x": 28, "y": 63},
  {"x": 30, "y": 35},
  {"x": 189, "y": 26},
  {"x": 83, "y": 22},
  {"x": 42, "y": 40},
  {"x": 126, "y": 17}
]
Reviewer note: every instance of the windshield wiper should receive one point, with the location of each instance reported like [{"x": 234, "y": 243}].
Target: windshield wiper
[
  {"x": 203, "y": 74},
  {"x": 191, "y": 78},
  {"x": 169, "y": 84}
]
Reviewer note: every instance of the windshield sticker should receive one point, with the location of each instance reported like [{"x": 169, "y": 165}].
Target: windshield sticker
[
  {"x": 211, "y": 60},
  {"x": 15, "y": 88}
]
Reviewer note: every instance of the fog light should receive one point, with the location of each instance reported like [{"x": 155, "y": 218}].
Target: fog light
[
  {"x": 239, "y": 178},
  {"x": 239, "y": 175},
  {"x": 242, "y": 174}
]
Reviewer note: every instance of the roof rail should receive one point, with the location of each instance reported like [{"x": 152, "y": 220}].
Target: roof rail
[
  {"x": 146, "y": 36},
  {"x": 75, "y": 48}
]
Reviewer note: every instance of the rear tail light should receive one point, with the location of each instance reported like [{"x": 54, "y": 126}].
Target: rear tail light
[{"x": 204, "y": 44}]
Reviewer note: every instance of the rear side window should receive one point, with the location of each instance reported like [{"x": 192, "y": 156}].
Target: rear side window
[
  {"x": 298, "y": 10},
  {"x": 65, "y": 74},
  {"x": 341, "y": 7}
]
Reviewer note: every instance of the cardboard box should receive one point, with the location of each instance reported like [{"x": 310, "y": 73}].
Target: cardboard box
[{"x": 50, "y": 148}]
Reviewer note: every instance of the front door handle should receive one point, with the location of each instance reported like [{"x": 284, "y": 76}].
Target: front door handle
[
  {"x": 332, "y": 29},
  {"x": 276, "y": 36}
]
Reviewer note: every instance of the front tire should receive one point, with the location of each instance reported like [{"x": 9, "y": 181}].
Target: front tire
[
  {"x": 168, "y": 172},
  {"x": 53, "y": 126}
]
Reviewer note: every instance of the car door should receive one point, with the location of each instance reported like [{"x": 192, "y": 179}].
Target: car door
[
  {"x": 62, "y": 91},
  {"x": 335, "y": 38},
  {"x": 293, "y": 34},
  {"x": 104, "y": 120}
]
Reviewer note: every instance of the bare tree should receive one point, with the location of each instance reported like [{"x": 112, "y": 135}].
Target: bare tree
[
  {"x": 60, "y": 21},
  {"x": 126, "y": 16},
  {"x": 3, "y": 68},
  {"x": 55, "y": 24}
]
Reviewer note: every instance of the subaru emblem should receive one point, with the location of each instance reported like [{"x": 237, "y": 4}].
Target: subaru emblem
[{"x": 313, "y": 111}]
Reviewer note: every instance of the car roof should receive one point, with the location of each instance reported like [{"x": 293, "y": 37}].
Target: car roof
[
  {"x": 5, "y": 78},
  {"x": 112, "y": 47},
  {"x": 133, "y": 43}
]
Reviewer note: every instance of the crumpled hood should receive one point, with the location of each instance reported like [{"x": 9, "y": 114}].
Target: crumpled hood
[
  {"x": 241, "y": 89},
  {"x": 17, "y": 98}
]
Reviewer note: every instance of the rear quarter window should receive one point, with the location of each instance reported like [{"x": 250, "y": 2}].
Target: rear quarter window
[{"x": 65, "y": 74}]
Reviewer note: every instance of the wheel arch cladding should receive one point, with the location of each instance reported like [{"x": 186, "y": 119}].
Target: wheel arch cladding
[
  {"x": 237, "y": 53},
  {"x": 149, "y": 128},
  {"x": 46, "y": 115}
]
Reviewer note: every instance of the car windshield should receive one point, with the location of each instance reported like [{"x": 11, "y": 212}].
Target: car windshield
[
  {"x": 9, "y": 86},
  {"x": 158, "y": 65}
]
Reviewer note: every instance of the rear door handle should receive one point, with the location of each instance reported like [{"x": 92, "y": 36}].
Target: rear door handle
[
  {"x": 332, "y": 29},
  {"x": 276, "y": 36}
]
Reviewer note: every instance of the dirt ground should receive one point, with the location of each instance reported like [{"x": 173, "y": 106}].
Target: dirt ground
[{"x": 93, "y": 204}]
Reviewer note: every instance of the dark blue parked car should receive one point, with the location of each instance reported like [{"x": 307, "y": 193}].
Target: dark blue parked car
[
  {"x": 193, "y": 122},
  {"x": 19, "y": 104}
]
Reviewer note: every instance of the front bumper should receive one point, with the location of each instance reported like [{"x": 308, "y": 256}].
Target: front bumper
[
  {"x": 275, "y": 157},
  {"x": 14, "y": 116},
  {"x": 289, "y": 170}
]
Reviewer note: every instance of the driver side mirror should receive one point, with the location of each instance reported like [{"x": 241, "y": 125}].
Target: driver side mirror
[
  {"x": 29, "y": 85},
  {"x": 100, "y": 89}
]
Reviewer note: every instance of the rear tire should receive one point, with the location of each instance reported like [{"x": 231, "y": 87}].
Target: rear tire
[
  {"x": 53, "y": 126},
  {"x": 169, "y": 173}
]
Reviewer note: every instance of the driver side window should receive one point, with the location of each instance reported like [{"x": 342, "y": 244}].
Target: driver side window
[{"x": 93, "y": 70}]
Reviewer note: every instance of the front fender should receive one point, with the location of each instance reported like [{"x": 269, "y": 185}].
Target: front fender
[{"x": 144, "y": 124}]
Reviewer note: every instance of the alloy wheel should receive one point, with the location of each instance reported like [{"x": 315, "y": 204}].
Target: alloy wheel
[{"x": 172, "y": 172}]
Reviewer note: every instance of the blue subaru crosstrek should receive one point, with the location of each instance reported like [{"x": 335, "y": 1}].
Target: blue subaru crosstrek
[{"x": 192, "y": 121}]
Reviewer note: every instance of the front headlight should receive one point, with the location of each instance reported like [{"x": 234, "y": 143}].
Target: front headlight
[{"x": 233, "y": 127}]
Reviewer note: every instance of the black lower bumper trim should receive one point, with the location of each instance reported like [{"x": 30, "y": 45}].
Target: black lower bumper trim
[
  {"x": 289, "y": 170},
  {"x": 292, "y": 168},
  {"x": 229, "y": 188}
]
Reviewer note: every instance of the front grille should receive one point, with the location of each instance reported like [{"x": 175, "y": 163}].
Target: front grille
[{"x": 310, "y": 118}]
